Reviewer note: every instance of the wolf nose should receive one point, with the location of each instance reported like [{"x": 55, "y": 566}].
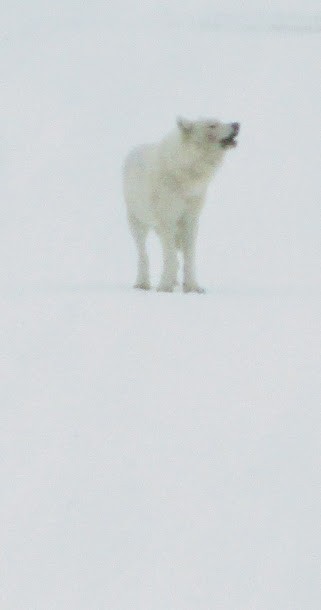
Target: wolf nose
[{"x": 236, "y": 127}]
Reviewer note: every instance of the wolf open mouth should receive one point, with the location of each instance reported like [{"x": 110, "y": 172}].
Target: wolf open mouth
[{"x": 230, "y": 141}]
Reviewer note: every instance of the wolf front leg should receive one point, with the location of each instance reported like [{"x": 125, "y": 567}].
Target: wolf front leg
[
  {"x": 167, "y": 235},
  {"x": 188, "y": 240},
  {"x": 139, "y": 232}
]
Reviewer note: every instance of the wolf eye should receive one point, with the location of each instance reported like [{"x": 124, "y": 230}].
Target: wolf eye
[{"x": 213, "y": 125}]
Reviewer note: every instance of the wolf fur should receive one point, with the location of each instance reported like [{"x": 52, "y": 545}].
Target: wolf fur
[{"x": 165, "y": 186}]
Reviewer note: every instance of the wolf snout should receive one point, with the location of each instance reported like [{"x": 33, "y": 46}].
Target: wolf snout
[{"x": 236, "y": 128}]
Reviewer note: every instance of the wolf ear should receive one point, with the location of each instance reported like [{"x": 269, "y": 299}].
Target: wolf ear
[{"x": 184, "y": 125}]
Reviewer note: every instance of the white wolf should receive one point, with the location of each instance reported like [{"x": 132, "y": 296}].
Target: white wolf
[{"x": 165, "y": 186}]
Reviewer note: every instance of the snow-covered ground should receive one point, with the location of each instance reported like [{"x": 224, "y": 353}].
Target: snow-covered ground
[{"x": 159, "y": 452}]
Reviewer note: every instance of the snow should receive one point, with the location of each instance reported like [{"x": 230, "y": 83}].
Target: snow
[{"x": 159, "y": 451}]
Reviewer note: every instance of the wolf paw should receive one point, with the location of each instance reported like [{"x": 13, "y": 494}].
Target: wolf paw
[
  {"x": 142, "y": 286},
  {"x": 193, "y": 288},
  {"x": 165, "y": 288}
]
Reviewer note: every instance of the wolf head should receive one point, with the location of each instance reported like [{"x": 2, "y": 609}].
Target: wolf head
[{"x": 209, "y": 132}]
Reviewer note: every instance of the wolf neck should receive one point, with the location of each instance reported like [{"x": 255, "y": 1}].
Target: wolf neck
[{"x": 188, "y": 161}]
